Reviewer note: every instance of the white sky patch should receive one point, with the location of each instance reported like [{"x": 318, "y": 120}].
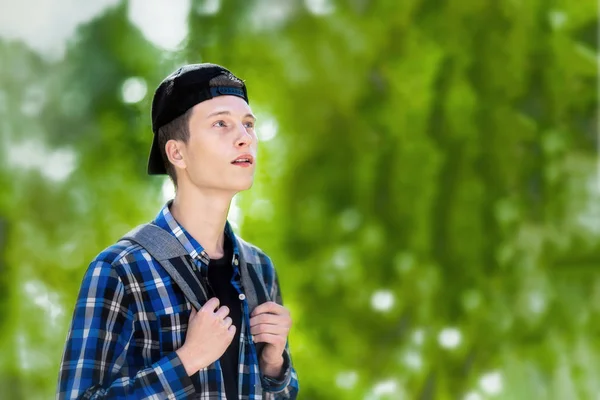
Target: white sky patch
[
  {"x": 134, "y": 90},
  {"x": 491, "y": 383},
  {"x": 350, "y": 219},
  {"x": 45, "y": 26},
  {"x": 418, "y": 337},
  {"x": 557, "y": 19},
  {"x": 235, "y": 214},
  {"x": 262, "y": 208},
  {"x": 266, "y": 128},
  {"x": 319, "y": 7},
  {"x": 59, "y": 164},
  {"x": 269, "y": 14},
  {"x": 413, "y": 360},
  {"x": 537, "y": 302},
  {"x": 33, "y": 101},
  {"x": 382, "y": 300},
  {"x": 31, "y": 355},
  {"x": 168, "y": 190},
  {"x": 589, "y": 216},
  {"x": 26, "y": 360},
  {"x": 40, "y": 296},
  {"x": 164, "y": 23},
  {"x": 208, "y": 7},
  {"x": 346, "y": 379},
  {"x": 341, "y": 258},
  {"x": 449, "y": 338},
  {"x": 55, "y": 165},
  {"x": 387, "y": 389},
  {"x": 472, "y": 396}
]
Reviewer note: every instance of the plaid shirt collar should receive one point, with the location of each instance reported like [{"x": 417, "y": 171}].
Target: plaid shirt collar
[{"x": 165, "y": 220}]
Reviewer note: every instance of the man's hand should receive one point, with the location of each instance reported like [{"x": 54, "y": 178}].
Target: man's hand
[
  {"x": 208, "y": 336},
  {"x": 270, "y": 323}
]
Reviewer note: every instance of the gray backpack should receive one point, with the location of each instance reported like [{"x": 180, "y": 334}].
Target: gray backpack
[{"x": 174, "y": 258}]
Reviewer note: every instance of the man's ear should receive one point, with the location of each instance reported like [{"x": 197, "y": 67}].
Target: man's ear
[{"x": 174, "y": 151}]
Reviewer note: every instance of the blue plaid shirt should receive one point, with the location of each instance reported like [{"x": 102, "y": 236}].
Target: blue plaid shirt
[{"x": 130, "y": 318}]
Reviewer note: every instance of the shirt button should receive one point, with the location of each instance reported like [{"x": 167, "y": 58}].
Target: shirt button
[
  {"x": 242, "y": 296},
  {"x": 235, "y": 261}
]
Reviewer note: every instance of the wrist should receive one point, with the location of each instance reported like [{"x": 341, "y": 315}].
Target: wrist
[
  {"x": 187, "y": 361},
  {"x": 272, "y": 368}
]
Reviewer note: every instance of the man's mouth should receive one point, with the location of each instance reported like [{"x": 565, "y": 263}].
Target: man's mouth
[{"x": 245, "y": 160}]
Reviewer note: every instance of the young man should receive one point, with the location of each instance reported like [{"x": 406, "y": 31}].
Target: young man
[{"x": 134, "y": 333}]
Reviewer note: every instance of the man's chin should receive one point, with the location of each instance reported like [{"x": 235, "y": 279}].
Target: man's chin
[
  {"x": 232, "y": 187},
  {"x": 242, "y": 186},
  {"x": 246, "y": 186}
]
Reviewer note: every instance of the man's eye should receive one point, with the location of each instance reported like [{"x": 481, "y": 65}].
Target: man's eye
[
  {"x": 220, "y": 124},
  {"x": 249, "y": 124}
]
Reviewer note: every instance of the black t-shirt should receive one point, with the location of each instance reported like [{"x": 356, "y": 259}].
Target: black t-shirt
[{"x": 220, "y": 273}]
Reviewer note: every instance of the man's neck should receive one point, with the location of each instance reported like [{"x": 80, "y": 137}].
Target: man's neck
[{"x": 203, "y": 215}]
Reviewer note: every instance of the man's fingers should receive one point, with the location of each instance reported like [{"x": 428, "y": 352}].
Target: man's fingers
[
  {"x": 271, "y": 319},
  {"x": 210, "y": 305},
  {"x": 222, "y": 312},
  {"x": 269, "y": 329},
  {"x": 231, "y": 331},
  {"x": 269, "y": 338},
  {"x": 193, "y": 313},
  {"x": 227, "y": 322},
  {"x": 270, "y": 307}
]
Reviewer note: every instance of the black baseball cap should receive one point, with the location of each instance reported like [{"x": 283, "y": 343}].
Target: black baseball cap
[{"x": 182, "y": 90}]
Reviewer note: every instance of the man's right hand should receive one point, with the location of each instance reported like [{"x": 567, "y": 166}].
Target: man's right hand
[{"x": 209, "y": 334}]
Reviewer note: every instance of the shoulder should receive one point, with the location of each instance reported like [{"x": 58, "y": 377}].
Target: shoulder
[
  {"x": 118, "y": 252},
  {"x": 123, "y": 260}
]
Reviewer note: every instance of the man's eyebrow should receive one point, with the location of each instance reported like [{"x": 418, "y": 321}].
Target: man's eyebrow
[{"x": 216, "y": 113}]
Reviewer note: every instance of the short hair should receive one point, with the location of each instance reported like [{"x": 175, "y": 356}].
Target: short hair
[{"x": 179, "y": 128}]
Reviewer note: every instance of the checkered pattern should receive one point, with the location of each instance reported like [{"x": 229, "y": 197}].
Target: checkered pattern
[{"x": 130, "y": 318}]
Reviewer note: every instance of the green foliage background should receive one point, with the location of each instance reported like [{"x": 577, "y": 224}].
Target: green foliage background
[{"x": 437, "y": 154}]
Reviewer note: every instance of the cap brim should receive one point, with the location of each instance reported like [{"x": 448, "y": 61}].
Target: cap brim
[{"x": 155, "y": 161}]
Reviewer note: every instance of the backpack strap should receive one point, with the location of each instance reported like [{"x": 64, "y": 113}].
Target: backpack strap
[
  {"x": 173, "y": 257},
  {"x": 252, "y": 279}
]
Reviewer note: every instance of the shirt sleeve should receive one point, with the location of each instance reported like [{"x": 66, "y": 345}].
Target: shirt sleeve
[
  {"x": 287, "y": 386},
  {"x": 93, "y": 362}
]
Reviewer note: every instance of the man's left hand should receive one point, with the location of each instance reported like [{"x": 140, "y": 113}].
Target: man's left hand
[{"x": 270, "y": 323}]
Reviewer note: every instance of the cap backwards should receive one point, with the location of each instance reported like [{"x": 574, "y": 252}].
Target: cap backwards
[{"x": 182, "y": 90}]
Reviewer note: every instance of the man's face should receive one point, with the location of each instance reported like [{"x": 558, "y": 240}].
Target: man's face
[{"x": 221, "y": 130}]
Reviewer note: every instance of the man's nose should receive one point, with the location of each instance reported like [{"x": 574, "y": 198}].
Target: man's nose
[{"x": 245, "y": 137}]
